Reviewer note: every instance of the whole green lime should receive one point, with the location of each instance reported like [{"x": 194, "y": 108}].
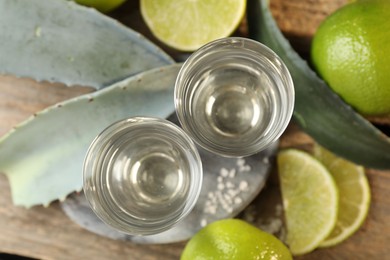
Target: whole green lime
[
  {"x": 351, "y": 52},
  {"x": 234, "y": 239},
  {"x": 101, "y": 5}
]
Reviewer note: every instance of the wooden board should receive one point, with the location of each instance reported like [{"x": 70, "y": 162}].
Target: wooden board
[{"x": 47, "y": 233}]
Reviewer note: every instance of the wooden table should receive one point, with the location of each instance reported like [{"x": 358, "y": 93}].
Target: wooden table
[{"x": 47, "y": 233}]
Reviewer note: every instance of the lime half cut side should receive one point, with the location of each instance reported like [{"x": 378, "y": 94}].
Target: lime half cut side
[
  {"x": 188, "y": 25},
  {"x": 310, "y": 200},
  {"x": 354, "y": 194}
]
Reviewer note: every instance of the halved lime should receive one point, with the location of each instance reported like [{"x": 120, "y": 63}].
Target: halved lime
[
  {"x": 234, "y": 239},
  {"x": 354, "y": 194},
  {"x": 187, "y": 25},
  {"x": 310, "y": 200}
]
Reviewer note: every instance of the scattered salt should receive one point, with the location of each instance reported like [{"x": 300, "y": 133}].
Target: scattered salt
[{"x": 227, "y": 191}]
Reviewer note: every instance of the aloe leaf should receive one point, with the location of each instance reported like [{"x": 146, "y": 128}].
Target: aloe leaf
[
  {"x": 43, "y": 156},
  {"x": 318, "y": 110},
  {"x": 60, "y": 41}
]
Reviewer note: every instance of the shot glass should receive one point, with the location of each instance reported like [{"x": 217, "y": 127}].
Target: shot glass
[
  {"x": 142, "y": 175},
  {"x": 234, "y": 97}
]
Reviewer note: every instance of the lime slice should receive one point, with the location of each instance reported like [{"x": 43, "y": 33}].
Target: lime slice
[
  {"x": 187, "y": 25},
  {"x": 354, "y": 194},
  {"x": 310, "y": 200}
]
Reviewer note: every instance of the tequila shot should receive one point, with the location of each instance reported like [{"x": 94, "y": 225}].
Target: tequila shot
[
  {"x": 142, "y": 175},
  {"x": 234, "y": 97}
]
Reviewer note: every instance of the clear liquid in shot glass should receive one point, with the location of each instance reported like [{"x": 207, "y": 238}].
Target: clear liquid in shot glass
[
  {"x": 234, "y": 97},
  {"x": 231, "y": 102},
  {"x": 142, "y": 175},
  {"x": 150, "y": 179}
]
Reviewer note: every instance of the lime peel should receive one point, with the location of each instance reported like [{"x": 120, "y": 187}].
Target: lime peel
[{"x": 351, "y": 53}]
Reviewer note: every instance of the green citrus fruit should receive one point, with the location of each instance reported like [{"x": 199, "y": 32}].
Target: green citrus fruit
[
  {"x": 187, "y": 25},
  {"x": 234, "y": 239},
  {"x": 101, "y": 5},
  {"x": 310, "y": 200},
  {"x": 354, "y": 195},
  {"x": 351, "y": 52}
]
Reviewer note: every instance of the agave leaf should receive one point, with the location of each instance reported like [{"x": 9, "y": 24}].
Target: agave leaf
[
  {"x": 60, "y": 41},
  {"x": 43, "y": 156},
  {"x": 318, "y": 110}
]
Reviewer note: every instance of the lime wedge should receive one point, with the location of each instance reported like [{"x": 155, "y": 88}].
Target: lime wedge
[
  {"x": 310, "y": 200},
  {"x": 354, "y": 194},
  {"x": 187, "y": 25}
]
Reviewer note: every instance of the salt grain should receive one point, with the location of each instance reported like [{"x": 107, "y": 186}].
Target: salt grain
[
  {"x": 240, "y": 162},
  {"x": 224, "y": 172},
  {"x": 229, "y": 185},
  {"x": 237, "y": 200},
  {"x": 247, "y": 168},
  {"x": 243, "y": 185}
]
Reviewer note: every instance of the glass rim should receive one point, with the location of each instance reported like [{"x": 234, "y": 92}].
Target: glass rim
[
  {"x": 184, "y": 84},
  {"x": 103, "y": 206}
]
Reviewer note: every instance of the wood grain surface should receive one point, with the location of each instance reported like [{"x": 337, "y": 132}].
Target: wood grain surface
[{"x": 47, "y": 233}]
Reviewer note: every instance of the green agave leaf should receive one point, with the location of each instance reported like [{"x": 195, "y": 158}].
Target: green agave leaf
[
  {"x": 318, "y": 110},
  {"x": 43, "y": 156},
  {"x": 60, "y": 41}
]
